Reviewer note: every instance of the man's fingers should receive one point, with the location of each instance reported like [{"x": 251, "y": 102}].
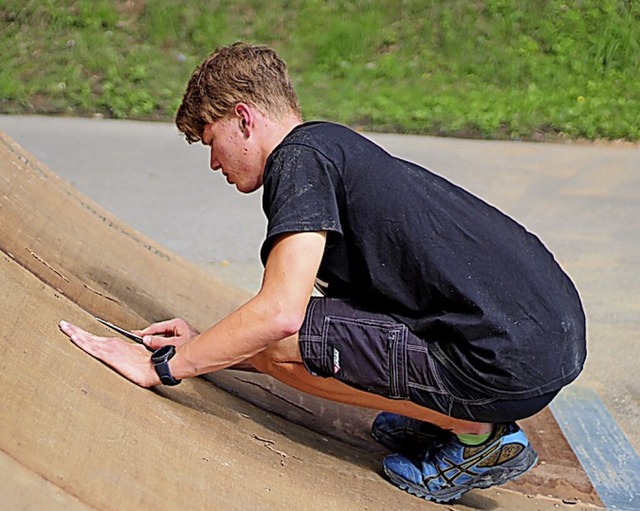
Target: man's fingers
[
  {"x": 155, "y": 342},
  {"x": 173, "y": 331},
  {"x": 129, "y": 359},
  {"x": 162, "y": 328},
  {"x": 72, "y": 330},
  {"x": 100, "y": 346},
  {"x": 92, "y": 344}
]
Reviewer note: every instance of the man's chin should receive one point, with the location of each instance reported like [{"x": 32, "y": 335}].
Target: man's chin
[{"x": 246, "y": 188}]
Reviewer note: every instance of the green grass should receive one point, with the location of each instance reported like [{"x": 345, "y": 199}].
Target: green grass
[{"x": 529, "y": 69}]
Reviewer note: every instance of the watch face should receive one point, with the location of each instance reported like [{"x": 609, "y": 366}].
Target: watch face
[{"x": 161, "y": 353}]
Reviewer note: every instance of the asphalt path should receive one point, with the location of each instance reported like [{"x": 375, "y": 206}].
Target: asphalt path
[{"x": 582, "y": 200}]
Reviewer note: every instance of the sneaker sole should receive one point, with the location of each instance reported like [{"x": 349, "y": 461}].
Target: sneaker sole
[{"x": 498, "y": 476}]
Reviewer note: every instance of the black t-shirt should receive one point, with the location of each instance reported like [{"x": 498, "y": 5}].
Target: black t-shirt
[{"x": 490, "y": 299}]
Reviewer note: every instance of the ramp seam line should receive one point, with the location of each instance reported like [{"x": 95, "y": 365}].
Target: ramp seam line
[{"x": 45, "y": 479}]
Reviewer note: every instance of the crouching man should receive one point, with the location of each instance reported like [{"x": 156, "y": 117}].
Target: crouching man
[{"x": 437, "y": 309}]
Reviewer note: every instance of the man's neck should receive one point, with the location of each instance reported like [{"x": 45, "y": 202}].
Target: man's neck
[{"x": 274, "y": 132}]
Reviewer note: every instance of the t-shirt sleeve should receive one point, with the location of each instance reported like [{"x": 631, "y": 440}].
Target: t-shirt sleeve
[{"x": 301, "y": 188}]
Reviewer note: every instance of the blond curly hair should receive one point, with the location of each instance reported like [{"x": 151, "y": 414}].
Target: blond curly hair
[{"x": 239, "y": 73}]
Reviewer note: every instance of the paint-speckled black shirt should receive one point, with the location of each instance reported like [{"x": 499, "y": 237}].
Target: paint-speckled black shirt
[{"x": 491, "y": 300}]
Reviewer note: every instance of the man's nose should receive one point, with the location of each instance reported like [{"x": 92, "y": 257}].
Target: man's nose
[{"x": 213, "y": 162}]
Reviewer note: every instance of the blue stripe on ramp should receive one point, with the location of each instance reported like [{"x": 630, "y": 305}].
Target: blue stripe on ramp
[{"x": 609, "y": 460}]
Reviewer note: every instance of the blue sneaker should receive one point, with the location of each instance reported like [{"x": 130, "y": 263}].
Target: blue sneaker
[
  {"x": 450, "y": 469},
  {"x": 403, "y": 434}
]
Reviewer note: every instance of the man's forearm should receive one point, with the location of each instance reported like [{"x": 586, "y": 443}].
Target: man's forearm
[
  {"x": 229, "y": 343},
  {"x": 276, "y": 312}
]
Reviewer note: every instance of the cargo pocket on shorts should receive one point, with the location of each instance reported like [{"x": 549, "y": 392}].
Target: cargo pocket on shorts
[{"x": 368, "y": 354}]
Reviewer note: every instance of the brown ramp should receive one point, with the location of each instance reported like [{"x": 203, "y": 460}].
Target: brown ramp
[{"x": 75, "y": 435}]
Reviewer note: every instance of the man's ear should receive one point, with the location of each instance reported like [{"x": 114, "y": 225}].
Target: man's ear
[{"x": 246, "y": 118}]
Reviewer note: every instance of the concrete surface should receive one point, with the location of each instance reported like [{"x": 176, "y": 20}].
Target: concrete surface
[{"x": 581, "y": 200}]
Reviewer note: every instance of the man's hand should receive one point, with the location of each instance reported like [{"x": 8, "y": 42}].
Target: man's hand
[
  {"x": 174, "y": 331},
  {"x": 130, "y": 360}
]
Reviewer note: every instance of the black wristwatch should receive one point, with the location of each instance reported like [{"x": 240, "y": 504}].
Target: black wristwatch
[{"x": 160, "y": 359}]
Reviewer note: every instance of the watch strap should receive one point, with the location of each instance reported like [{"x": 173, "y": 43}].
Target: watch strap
[{"x": 160, "y": 359}]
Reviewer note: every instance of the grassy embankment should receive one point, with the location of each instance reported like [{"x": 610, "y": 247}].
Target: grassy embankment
[{"x": 524, "y": 69}]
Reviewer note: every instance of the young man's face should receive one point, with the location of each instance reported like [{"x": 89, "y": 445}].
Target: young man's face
[{"x": 234, "y": 153}]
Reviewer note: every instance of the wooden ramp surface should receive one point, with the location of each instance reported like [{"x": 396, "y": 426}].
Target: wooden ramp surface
[{"x": 75, "y": 435}]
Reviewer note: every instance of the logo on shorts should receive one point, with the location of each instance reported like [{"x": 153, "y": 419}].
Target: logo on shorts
[{"x": 336, "y": 361}]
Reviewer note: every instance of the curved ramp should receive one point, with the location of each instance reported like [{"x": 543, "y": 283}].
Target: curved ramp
[{"x": 75, "y": 435}]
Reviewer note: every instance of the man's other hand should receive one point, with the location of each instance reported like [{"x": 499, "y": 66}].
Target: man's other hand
[{"x": 174, "y": 331}]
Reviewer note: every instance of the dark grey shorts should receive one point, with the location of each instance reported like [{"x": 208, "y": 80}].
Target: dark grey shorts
[{"x": 375, "y": 353}]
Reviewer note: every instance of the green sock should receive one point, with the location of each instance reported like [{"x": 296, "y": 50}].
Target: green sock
[{"x": 468, "y": 439}]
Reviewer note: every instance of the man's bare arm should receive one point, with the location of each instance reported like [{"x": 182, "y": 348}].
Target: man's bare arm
[{"x": 276, "y": 312}]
